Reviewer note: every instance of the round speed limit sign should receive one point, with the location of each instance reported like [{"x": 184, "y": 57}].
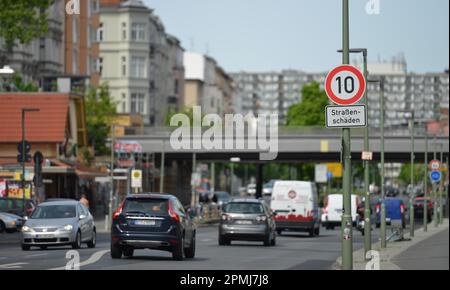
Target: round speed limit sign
[{"x": 345, "y": 85}]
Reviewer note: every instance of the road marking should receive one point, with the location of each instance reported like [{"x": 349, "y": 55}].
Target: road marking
[
  {"x": 35, "y": 255},
  {"x": 93, "y": 259},
  {"x": 12, "y": 266}
]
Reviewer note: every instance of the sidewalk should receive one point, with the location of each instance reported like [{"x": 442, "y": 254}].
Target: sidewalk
[{"x": 426, "y": 251}]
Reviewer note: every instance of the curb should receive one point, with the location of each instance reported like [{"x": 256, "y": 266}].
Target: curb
[{"x": 393, "y": 249}]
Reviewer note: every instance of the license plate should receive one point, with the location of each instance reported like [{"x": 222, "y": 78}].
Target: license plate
[
  {"x": 244, "y": 222},
  {"x": 145, "y": 222},
  {"x": 388, "y": 219},
  {"x": 44, "y": 236}
]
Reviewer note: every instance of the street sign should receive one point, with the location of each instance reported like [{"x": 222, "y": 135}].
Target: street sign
[
  {"x": 346, "y": 116},
  {"x": 435, "y": 176},
  {"x": 365, "y": 155},
  {"x": 434, "y": 165},
  {"x": 321, "y": 171},
  {"x": 345, "y": 85},
  {"x": 136, "y": 178},
  {"x": 335, "y": 169}
]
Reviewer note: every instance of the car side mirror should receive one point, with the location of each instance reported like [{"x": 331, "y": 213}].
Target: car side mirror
[{"x": 82, "y": 217}]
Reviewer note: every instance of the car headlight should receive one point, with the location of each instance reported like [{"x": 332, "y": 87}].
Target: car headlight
[
  {"x": 26, "y": 229},
  {"x": 67, "y": 228}
]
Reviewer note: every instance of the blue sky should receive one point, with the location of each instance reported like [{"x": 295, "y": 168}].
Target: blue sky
[{"x": 260, "y": 35}]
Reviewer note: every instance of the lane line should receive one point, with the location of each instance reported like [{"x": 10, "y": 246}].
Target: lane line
[
  {"x": 35, "y": 255},
  {"x": 12, "y": 265},
  {"x": 93, "y": 259}
]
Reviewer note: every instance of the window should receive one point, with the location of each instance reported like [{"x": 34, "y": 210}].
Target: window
[
  {"x": 100, "y": 66},
  {"x": 75, "y": 61},
  {"x": 137, "y": 103},
  {"x": 124, "y": 30},
  {"x": 124, "y": 66},
  {"x": 152, "y": 51},
  {"x": 138, "y": 67},
  {"x": 124, "y": 103},
  {"x": 100, "y": 32},
  {"x": 176, "y": 87},
  {"x": 74, "y": 30},
  {"x": 138, "y": 32}
]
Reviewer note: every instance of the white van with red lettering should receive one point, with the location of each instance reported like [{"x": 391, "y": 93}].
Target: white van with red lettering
[{"x": 294, "y": 204}]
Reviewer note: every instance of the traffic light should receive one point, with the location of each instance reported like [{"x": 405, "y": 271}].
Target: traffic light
[
  {"x": 38, "y": 158},
  {"x": 24, "y": 148}
]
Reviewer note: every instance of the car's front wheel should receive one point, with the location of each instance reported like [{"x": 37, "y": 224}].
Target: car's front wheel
[
  {"x": 25, "y": 247},
  {"x": 2, "y": 227},
  {"x": 77, "y": 243}
]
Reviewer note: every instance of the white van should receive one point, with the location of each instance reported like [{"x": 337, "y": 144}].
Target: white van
[
  {"x": 295, "y": 206},
  {"x": 332, "y": 213}
]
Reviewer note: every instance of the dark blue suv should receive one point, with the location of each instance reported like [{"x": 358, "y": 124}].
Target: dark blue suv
[{"x": 152, "y": 221}]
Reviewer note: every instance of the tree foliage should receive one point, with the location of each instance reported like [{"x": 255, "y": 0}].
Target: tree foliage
[
  {"x": 311, "y": 110},
  {"x": 405, "y": 173},
  {"x": 100, "y": 114},
  {"x": 22, "y": 21}
]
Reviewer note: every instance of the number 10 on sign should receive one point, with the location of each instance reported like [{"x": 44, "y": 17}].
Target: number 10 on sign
[{"x": 345, "y": 85}]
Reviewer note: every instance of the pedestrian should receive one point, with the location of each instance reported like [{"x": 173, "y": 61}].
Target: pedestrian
[{"x": 84, "y": 201}]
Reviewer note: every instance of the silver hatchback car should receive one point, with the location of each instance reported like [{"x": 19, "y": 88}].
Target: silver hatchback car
[
  {"x": 247, "y": 219},
  {"x": 58, "y": 223}
]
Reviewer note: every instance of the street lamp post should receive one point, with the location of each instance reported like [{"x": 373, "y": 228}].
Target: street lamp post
[
  {"x": 425, "y": 185},
  {"x": 383, "y": 205},
  {"x": 347, "y": 229},
  {"x": 366, "y": 163},
  {"x": 435, "y": 202},
  {"x": 441, "y": 189},
  {"x": 24, "y": 110},
  {"x": 411, "y": 121}
]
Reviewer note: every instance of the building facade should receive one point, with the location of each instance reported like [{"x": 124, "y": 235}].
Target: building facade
[
  {"x": 140, "y": 62},
  {"x": 426, "y": 94},
  {"x": 42, "y": 56}
]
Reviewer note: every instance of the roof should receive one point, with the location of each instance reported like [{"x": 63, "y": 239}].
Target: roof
[
  {"x": 47, "y": 125},
  {"x": 151, "y": 195},
  {"x": 249, "y": 200},
  {"x": 59, "y": 202}
]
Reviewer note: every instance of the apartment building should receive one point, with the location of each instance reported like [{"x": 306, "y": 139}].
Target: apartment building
[
  {"x": 425, "y": 93},
  {"x": 141, "y": 63},
  {"x": 208, "y": 85},
  {"x": 42, "y": 56}
]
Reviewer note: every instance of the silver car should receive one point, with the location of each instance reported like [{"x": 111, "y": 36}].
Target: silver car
[
  {"x": 247, "y": 219},
  {"x": 9, "y": 222},
  {"x": 58, "y": 223}
]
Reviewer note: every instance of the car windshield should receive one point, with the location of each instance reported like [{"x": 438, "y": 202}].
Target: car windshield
[
  {"x": 146, "y": 206},
  {"x": 244, "y": 207},
  {"x": 222, "y": 195},
  {"x": 54, "y": 212}
]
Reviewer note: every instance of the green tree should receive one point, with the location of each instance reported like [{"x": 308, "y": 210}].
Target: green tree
[
  {"x": 21, "y": 86},
  {"x": 100, "y": 114},
  {"x": 311, "y": 110},
  {"x": 22, "y": 21},
  {"x": 405, "y": 173}
]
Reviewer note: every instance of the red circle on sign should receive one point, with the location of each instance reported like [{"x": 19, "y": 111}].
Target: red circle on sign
[
  {"x": 357, "y": 73},
  {"x": 434, "y": 164},
  {"x": 292, "y": 194}
]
